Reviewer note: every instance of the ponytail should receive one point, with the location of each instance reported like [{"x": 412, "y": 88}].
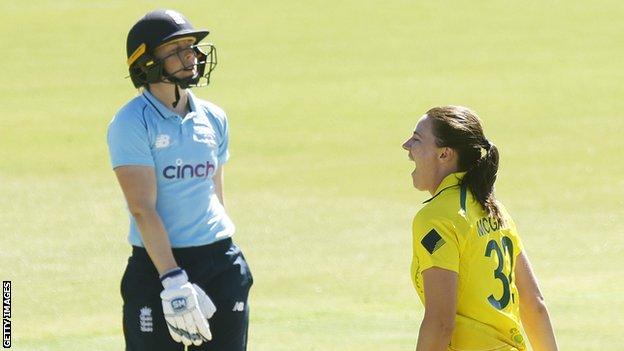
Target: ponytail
[
  {"x": 460, "y": 128},
  {"x": 481, "y": 177}
]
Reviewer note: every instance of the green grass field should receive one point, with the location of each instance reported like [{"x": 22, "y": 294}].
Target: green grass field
[{"x": 320, "y": 95}]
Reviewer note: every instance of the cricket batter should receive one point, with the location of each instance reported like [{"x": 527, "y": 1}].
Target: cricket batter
[
  {"x": 469, "y": 267},
  {"x": 186, "y": 284}
]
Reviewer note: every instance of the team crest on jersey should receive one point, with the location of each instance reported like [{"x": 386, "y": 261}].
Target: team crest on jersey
[
  {"x": 203, "y": 132},
  {"x": 199, "y": 118},
  {"x": 432, "y": 241},
  {"x": 162, "y": 141}
]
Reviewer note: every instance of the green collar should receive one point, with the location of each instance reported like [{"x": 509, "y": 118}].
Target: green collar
[{"x": 451, "y": 180}]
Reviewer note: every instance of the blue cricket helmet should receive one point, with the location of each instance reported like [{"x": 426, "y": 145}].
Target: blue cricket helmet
[{"x": 155, "y": 29}]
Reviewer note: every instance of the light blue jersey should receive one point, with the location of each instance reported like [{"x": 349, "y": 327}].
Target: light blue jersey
[{"x": 185, "y": 153}]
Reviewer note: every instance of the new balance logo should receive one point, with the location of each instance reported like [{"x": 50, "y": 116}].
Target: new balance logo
[
  {"x": 162, "y": 141},
  {"x": 238, "y": 307},
  {"x": 145, "y": 320}
]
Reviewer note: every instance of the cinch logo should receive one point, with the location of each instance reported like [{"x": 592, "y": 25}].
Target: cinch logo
[{"x": 182, "y": 171}]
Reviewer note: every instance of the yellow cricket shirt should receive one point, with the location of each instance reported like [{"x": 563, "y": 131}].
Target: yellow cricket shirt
[{"x": 454, "y": 232}]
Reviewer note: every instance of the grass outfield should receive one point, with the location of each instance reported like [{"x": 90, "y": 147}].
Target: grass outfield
[{"x": 320, "y": 97}]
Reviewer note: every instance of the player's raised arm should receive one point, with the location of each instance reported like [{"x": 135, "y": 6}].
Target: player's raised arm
[{"x": 533, "y": 311}]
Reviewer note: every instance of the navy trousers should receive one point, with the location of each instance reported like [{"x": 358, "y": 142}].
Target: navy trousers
[{"x": 219, "y": 268}]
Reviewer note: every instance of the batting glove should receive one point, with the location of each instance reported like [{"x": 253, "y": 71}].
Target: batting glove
[{"x": 187, "y": 308}]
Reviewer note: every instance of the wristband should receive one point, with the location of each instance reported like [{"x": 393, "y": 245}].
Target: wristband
[{"x": 171, "y": 273}]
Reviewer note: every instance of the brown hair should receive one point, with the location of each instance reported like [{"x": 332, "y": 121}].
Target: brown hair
[{"x": 460, "y": 129}]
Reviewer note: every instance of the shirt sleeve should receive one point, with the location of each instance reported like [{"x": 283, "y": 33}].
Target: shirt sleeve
[
  {"x": 435, "y": 243},
  {"x": 128, "y": 141},
  {"x": 223, "y": 153}
]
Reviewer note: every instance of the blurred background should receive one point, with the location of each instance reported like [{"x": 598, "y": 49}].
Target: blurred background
[{"x": 320, "y": 96}]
